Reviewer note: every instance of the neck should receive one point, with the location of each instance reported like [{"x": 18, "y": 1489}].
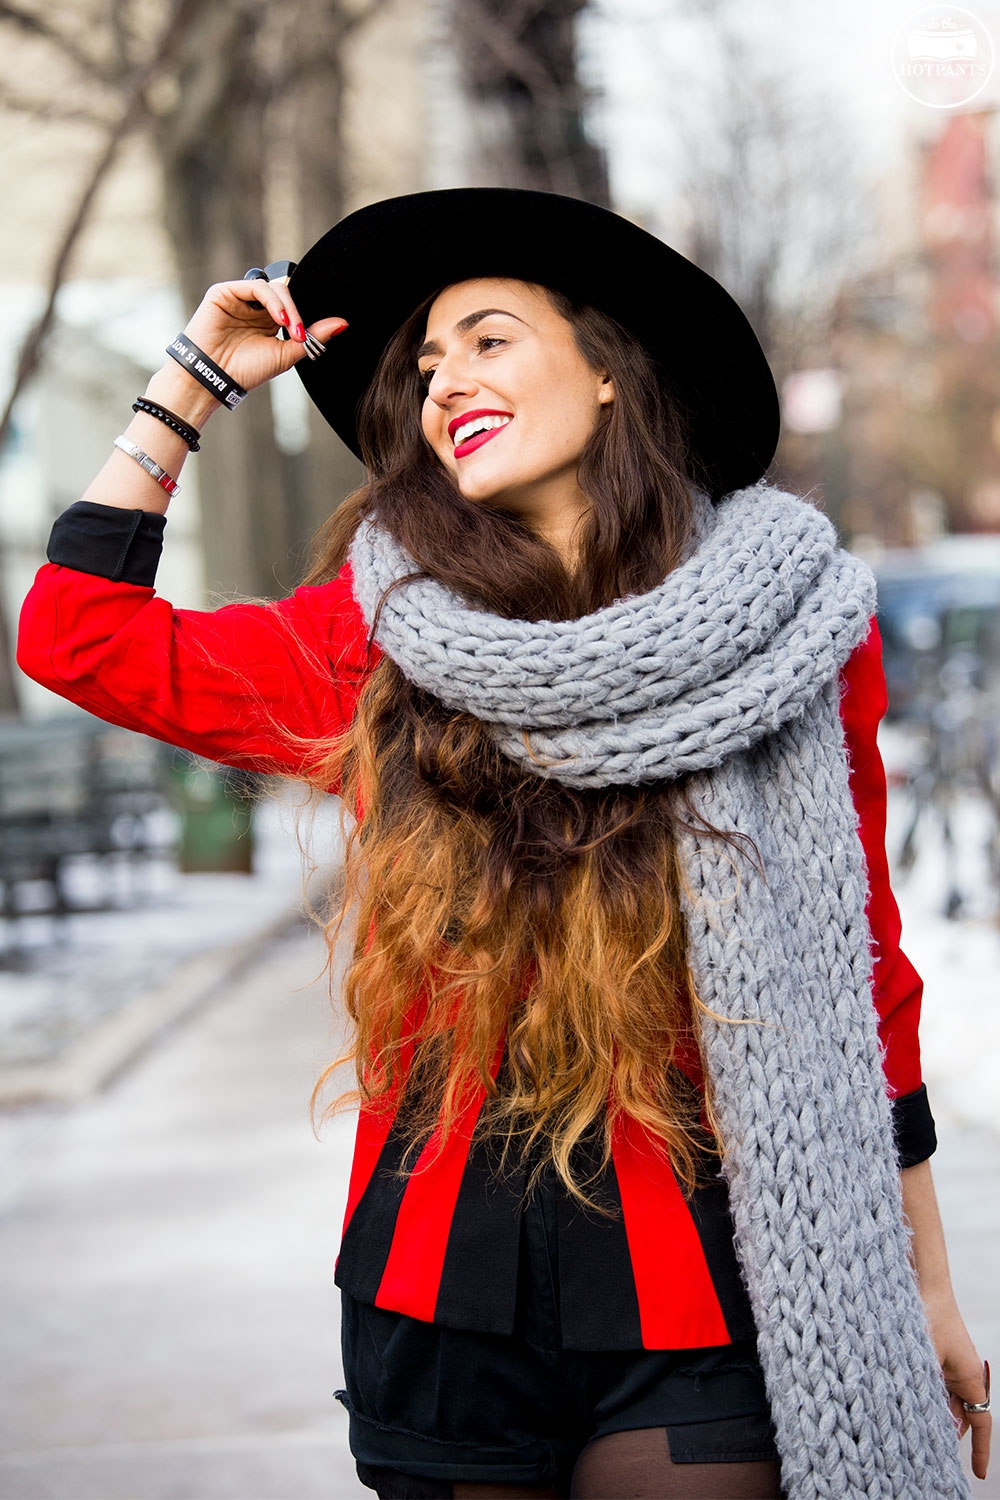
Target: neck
[{"x": 556, "y": 514}]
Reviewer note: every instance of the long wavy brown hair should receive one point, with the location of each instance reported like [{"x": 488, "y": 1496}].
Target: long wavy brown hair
[{"x": 513, "y": 934}]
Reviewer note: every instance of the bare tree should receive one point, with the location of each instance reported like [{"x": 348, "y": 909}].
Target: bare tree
[
  {"x": 521, "y": 70},
  {"x": 234, "y": 70},
  {"x": 248, "y": 67},
  {"x": 774, "y": 204},
  {"x": 211, "y": 144},
  {"x": 179, "y": 20},
  {"x": 134, "y": 107}
]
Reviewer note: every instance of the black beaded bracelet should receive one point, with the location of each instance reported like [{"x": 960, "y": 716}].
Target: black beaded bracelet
[
  {"x": 169, "y": 419},
  {"x": 207, "y": 373}
]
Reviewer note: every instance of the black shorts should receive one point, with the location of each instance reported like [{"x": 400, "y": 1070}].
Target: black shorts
[{"x": 449, "y": 1405}]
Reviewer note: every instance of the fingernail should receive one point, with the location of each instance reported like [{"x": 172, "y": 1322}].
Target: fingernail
[
  {"x": 299, "y": 333},
  {"x": 282, "y": 316},
  {"x": 339, "y": 330}
]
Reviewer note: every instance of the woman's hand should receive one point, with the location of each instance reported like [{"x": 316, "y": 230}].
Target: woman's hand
[
  {"x": 242, "y": 338},
  {"x": 960, "y": 1364},
  {"x": 963, "y": 1374}
]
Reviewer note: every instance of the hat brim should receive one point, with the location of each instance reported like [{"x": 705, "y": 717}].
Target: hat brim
[{"x": 379, "y": 263}]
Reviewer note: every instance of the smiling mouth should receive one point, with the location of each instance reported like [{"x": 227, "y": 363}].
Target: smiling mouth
[{"x": 470, "y": 444}]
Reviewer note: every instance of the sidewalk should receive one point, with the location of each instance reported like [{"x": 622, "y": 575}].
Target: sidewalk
[
  {"x": 168, "y": 1328},
  {"x": 84, "y": 993}
]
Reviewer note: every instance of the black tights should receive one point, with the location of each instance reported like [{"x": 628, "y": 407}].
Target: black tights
[{"x": 622, "y": 1466}]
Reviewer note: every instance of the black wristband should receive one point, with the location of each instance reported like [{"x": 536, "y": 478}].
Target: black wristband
[
  {"x": 207, "y": 373},
  {"x": 169, "y": 419}
]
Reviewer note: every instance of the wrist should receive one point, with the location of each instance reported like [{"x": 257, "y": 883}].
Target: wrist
[
  {"x": 173, "y": 388},
  {"x": 937, "y": 1293}
]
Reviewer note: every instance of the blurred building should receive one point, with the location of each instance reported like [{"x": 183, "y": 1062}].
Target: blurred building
[
  {"x": 913, "y": 449},
  {"x": 958, "y": 221}
]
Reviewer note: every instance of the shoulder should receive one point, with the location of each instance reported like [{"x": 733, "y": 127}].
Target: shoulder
[
  {"x": 328, "y": 615},
  {"x": 863, "y": 696}
]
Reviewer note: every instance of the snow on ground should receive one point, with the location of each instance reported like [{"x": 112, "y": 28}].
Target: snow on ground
[
  {"x": 60, "y": 975},
  {"x": 958, "y": 959}
]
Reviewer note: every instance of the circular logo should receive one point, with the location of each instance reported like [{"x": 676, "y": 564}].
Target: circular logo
[{"x": 942, "y": 56}]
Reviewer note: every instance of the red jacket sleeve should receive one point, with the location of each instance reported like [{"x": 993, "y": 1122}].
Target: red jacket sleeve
[
  {"x": 897, "y": 986},
  {"x": 251, "y": 685}
]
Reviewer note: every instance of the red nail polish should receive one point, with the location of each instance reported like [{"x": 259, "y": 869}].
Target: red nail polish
[
  {"x": 299, "y": 333},
  {"x": 283, "y": 317}
]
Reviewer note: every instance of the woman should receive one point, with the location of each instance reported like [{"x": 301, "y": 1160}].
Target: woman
[{"x": 625, "y": 1213}]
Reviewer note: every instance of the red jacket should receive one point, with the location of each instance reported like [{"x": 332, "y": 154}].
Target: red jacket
[{"x": 255, "y": 686}]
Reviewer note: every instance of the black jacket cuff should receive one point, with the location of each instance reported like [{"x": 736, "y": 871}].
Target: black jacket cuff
[
  {"x": 913, "y": 1128},
  {"x": 123, "y": 545}
]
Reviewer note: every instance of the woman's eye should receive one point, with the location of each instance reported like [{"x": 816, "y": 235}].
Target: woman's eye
[{"x": 426, "y": 376}]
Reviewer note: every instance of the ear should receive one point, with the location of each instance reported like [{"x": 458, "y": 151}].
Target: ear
[{"x": 607, "y": 391}]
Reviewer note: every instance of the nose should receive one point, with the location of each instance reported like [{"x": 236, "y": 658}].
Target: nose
[{"x": 452, "y": 379}]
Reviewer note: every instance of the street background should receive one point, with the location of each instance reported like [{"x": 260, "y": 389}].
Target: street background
[{"x": 168, "y": 1218}]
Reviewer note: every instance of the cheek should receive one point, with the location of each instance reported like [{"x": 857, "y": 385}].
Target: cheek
[
  {"x": 566, "y": 428},
  {"x": 561, "y": 411},
  {"x": 434, "y": 431}
]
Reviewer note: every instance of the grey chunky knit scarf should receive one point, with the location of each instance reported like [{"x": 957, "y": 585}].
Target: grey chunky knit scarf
[{"x": 729, "y": 670}]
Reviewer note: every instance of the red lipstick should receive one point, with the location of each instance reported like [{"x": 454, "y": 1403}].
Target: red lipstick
[
  {"x": 472, "y": 443},
  {"x": 479, "y": 438},
  {"x": 477, "y": 411}
]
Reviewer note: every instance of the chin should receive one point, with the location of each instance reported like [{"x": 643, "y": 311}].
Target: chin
[
  {"x": 499, "y": 489},
  {"x": 482, "y": 490}
]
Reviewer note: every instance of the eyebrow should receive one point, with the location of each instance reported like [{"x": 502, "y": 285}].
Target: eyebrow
[{"x": 464, "y": 324}]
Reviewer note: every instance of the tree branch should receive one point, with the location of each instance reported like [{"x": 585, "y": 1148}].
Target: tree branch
[
  {"x": 45, "y": 109},
  {"x": 34, "y": 25},
  {"x": 520, "y": 61},
  {"x": 551, "y": 98},
  {"x": 132, "y": 112},
  {"x": 356, "y": 19},
  {"x": 311, "y": 60},
  {"x": 122, "y": 36}
]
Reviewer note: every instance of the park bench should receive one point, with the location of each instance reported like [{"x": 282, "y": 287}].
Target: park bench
[{"x": 71, "y": 787}]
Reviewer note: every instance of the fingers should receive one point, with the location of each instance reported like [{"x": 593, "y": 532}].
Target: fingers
[
  {"x": 241, "y": 337},
  {"x": 271, "y": 297},
  {"x": 288, "y": 316},
  {"x": 981, "y": 1425},
  {"x": 321, "y": 332},
  {"x": 275, "y": 299},
  {"x": 278, "y": 303},
  {"x": 327, "y": 328}
]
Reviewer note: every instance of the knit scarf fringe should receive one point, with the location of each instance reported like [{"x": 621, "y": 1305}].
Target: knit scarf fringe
[{"x": 729, "y": 670}]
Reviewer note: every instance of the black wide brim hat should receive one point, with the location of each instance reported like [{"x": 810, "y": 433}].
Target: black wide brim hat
[{"x": 378, "y": 264}]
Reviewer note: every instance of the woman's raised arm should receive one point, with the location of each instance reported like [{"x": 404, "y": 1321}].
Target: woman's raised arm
[
  {"x": 254, "y": 685},
  {"x": 241, "y": 340}
]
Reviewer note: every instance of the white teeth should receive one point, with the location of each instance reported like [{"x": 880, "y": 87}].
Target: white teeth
[{"x": 478, "y": 424}]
